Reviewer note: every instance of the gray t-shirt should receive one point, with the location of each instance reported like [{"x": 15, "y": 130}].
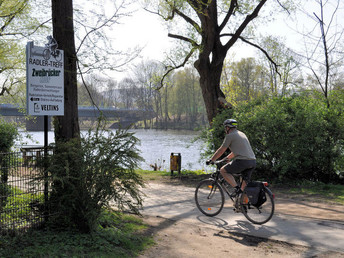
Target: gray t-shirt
[{"x": 239, "y": 145}]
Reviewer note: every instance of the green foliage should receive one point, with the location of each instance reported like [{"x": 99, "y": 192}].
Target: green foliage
[
  {"x": 215, "y": 134},
  {"x": 89, "y": 174},
  {"x": 329, "y": 192},
  {"x": 185, "y": 99},
  {"x": 149, "y": 175},
  {"x": 16, "y": 23},
  {"x": 17, "y": 207},
  {"x": 295, "y": 137},
  {"x": 243, "y": 81},
  {"x": 117, "y": 236},
  {"x": 8, "y": 134}
]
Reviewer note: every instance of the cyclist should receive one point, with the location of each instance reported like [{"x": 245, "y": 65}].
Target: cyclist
[
  {"x": 242, "y": 156},
  {"x": 52, "y": 44}
]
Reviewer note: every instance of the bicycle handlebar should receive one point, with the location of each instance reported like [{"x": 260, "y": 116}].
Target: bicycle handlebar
[{"x": 217, "y": 162}]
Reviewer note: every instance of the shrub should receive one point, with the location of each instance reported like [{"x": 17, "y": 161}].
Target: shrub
[
  {"x": 295, "y": 137},
  {"x": 93, "y": 173},
  {"x": 8, "y": 134}
]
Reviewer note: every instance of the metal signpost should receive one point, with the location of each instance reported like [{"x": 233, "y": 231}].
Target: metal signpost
[{"x": 45, "y": 89}]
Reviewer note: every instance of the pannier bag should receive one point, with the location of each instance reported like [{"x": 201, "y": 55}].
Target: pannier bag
[{"x": 256, "y": 194}]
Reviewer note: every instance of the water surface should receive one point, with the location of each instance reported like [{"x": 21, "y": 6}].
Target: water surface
[{"x": 156, "y": 147}]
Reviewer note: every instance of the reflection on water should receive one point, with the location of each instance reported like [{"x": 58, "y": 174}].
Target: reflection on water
[{"x": 156, "y": 147}]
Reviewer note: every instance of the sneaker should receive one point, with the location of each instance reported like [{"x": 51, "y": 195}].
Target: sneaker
[
  {"x": 236, "y": 192},
  {"x": 236, "y": 205}
]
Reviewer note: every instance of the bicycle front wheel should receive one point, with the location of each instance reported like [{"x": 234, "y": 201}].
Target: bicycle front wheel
[
  {"x": 46, "y": 54},
  {"x": 209, "y": 197},
  {"x": 258, "y": 215}
]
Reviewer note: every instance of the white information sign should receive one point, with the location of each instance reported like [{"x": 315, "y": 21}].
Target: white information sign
[{"x": 44, "y": 80}]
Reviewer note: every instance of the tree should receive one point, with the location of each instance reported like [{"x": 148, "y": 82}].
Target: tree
[
  {"x": 146, "y": 76},
  {"x": 16, "y": 23},
  {"x": 244, "y": 81},
  {"x": 67, "y": 126},
  {"x": 289, "y": 75},
  {"x": 209, "y": 24},
  {"x": 128, "y": 93},
  {"x": 99, "y": 91},
  {"x": 96, "y": 37},
  {"x": 323, "y": 49},
  {"x": 186, "y": 98}
]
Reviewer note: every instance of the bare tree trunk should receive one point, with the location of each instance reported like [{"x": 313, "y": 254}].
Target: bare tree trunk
[{"x": 67, "y": 126}]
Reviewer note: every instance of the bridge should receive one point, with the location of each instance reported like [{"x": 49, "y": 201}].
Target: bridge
[{"x": 123, "y": 117}]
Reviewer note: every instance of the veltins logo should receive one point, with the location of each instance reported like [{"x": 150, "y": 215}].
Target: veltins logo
[{"x": 36, "y": 107}]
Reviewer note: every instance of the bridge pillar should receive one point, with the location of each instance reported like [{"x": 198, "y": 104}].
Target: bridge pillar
[{"x": 37, "y": 124}]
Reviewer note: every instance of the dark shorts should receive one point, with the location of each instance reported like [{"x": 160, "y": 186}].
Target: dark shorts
[{"x": 241, "y": 166}]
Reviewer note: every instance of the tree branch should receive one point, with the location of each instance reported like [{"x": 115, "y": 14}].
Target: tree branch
[
  {"x": 95, "y": 29},
  {"x": 285, "y": 9},
  {"x": 232, "y": 7},
  {"x": 260, "y": 48},
  {"x": 176, "y": 67},
  {"x": 244, "y": 24},
  {"x": 323, "y": 36},
  {"x": 192, "y": 42},
  {"x": 189, "y": 20},
  {"x": 85, "y": 85},
  {"x": 11, "y": 16}
]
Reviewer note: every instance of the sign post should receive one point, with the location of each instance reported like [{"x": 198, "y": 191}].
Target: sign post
[{"x": 45, "y": 86}]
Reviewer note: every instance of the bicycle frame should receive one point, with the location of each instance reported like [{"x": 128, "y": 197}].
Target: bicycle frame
[
  {"x": 210, "y": 198},
  {"x": 222, "y": 181}
]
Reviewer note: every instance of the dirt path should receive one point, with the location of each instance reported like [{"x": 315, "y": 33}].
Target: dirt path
[{"x": 180, "y": 238}]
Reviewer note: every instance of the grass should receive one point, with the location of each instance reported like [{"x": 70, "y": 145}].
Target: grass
[
  {"x": 121, "y": 235},
  {"x": 305, "y": 189},
  {"x": 331, "y": 192},
  {"x": 17, "y": 206},
  {"x": 150, "y": 175},
  {"x": 118, "y": 235}
]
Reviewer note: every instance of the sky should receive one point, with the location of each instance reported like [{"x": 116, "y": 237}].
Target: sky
[{"x": 147, "y": 30}]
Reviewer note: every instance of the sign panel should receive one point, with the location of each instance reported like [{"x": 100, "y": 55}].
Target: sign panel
[{"x": 44, "y": 79}]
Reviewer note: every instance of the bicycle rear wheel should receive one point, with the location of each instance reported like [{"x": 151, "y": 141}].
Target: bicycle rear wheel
[
  {"x": 258, "y": 215},
  {"x": 209, "y": 197}
]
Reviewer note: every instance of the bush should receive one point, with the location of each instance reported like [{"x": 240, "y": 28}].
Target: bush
[
  {"x": 89, "y": 174},
  {"x": 213, "y": 137},
  {"x": 295, "y": 137},
  {"x": 8, "y": 134}
]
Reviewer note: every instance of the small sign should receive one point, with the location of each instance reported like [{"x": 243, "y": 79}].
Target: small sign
[{"x": 44, "y": 79}]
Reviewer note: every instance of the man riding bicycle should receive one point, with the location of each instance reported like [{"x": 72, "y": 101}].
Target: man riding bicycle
[
  {"x": 242, "y": 156},
  {"x": 52, "y": 44}
]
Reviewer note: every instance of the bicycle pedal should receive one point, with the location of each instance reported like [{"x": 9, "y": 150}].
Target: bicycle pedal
[{"x": 237, "y": 210}]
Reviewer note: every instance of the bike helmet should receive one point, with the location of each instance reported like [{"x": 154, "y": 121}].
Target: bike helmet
[{"x": 231, "y": 123}]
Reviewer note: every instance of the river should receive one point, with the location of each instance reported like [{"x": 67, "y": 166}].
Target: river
[{"x": 156, "y": 147}]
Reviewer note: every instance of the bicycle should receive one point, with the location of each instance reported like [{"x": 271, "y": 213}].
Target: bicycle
[
  {"x": 55, "y": 53},
  {"x": 210, "y": 198}
]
